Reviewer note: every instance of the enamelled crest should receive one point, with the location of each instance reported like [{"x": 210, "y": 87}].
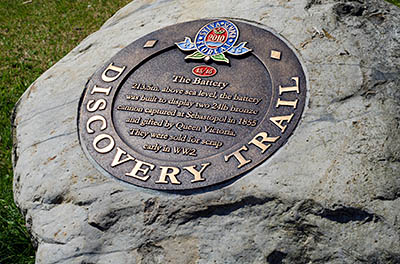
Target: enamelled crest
[{"x": 213, "y": 40}]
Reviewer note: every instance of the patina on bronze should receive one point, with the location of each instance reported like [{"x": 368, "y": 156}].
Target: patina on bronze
[{"x": 192, "y": 105}]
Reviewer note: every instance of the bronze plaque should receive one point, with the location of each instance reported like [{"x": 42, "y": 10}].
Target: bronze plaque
[{"x": 192, "y": 105}]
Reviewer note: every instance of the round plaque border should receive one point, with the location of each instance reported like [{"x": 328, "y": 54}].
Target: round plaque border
[{"x": 220, "y": 167}]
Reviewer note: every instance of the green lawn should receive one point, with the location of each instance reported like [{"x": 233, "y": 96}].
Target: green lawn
[
  {"x": 395, "y": 2},
  {"x": 34, "y": 35}
]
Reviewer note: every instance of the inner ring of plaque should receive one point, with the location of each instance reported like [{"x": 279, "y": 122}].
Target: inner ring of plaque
[{"x": 163, "y": 109}]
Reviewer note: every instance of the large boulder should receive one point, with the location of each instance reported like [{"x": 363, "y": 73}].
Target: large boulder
[{"x": 330, "y": 195}]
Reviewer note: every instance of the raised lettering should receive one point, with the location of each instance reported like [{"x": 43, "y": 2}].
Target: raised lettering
[
  {"x": 112, "y": 68},
  {"x": 197, "y": 174},
  {"x": 138, "y": 168},
  {"x": 97, "y": 89},
  {"x": 286, "y": 103},
  {"x": 94, "y": 105},
  {"x": 169, "y": 172},
  {"x": 107, "y": 148},
  {"x": 278, "y": 120},
  {"x": 291, "y": 88},
  {"x": 239, "y": 157},
  {"x": 117, "y": 158},
  {"x": 93, "y": 119},
  {"x": 264, "y": 138}
]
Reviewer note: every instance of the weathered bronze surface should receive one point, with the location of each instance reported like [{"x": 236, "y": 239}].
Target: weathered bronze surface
[{"x": 171, "y": 114}]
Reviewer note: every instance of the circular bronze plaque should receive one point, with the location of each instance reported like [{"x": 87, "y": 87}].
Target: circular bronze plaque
[{"x": 192, "y": 105}]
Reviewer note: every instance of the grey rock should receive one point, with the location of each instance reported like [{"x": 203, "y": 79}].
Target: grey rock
[{"x": 330, "y": 195}]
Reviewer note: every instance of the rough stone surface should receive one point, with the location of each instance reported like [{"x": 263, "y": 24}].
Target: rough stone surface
[{"x": 330, "y": 195}]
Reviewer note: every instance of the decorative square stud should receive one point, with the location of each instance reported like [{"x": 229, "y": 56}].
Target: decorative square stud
[
  {"x": 150, "y": 43},
  {"x": 275, "y": 54}
]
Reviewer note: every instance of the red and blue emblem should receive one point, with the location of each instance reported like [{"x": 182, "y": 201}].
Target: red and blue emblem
[{"x": 213, "y": 40}]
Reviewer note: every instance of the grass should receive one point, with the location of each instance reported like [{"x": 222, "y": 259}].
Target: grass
[
  {"x": 395, "y": 2},
  {"x": 33, "y": 36}
]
